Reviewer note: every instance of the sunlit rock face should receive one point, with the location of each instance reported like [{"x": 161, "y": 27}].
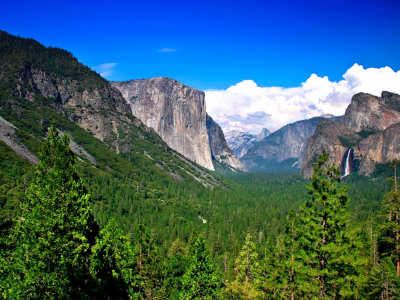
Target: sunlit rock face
[
  {"x": 370, "y": 126},
  {"x": 175, "y": 111},
  {"x": 374, "y": 113}
]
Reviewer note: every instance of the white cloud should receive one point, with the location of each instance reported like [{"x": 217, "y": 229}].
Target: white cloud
[
  {"x": 248, "y": 107},
  {"x": 167, "y": 50},
  {"x": 105, "y": 69}
]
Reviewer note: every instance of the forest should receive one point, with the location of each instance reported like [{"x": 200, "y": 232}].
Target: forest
[
  {"x": 69, "y": 231},
  {"x": 123, "y": 228}
]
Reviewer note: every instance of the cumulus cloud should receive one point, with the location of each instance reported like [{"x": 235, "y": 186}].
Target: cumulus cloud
[
  {"x": 105, "y": 69},
  {"x": 167, "y": 50},
  {"x": 248, "y": 107}
]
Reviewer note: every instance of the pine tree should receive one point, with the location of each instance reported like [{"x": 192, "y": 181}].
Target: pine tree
[
  {"x": 247, "y": 266},
  {"x": 246, "y": 283},
  {"x": 200, "y": 280},
  {"x": 383, "y": 282},
  {"x": 177, "y": 263},
  {"x": 291, "y": 257},
  {"x": 328, "y": 254},
  {"x": 147, "y": 259},
  {"x": 390, "y": 228},
  {"x": 114, "y": 266},
  {"x": 52, "y": 236}
]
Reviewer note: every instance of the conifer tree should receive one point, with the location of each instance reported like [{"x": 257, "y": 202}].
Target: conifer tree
[
  {"x": 247, "y": 266},
  {"x": 178, "y": 260},
  {"x": 200, "y": 280},
  {"x": 390, "y": 227},
  {"x": 328, "y": 254},
  {"x": 147, "y": 258},
  {"x": 291, "y": 257},
  {"x": 273, "y": 270},
  {"x": 114, "y": 266},
  {"x": 52, "y": 236},
  {"x": 383, "y": 282}
]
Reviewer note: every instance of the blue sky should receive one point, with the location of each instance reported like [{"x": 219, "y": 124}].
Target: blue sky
[{"x": 215, "y": 44}]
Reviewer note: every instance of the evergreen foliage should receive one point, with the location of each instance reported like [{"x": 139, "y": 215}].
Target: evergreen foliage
[
  {"x": 51, "y": 238},
  {"x": 200, "y": 280},
  {"x": 327, "y": 251}
]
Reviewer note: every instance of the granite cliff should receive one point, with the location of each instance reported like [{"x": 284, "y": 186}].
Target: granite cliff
[
  {"x": 177, "y": 113},
  {"x": 284, "y": 148},
  {"x": 219, "y": 148},
  {"x": 368, "y": 132}
]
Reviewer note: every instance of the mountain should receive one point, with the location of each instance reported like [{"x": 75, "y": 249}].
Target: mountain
[
  {"x": 367, "y": 134},
  {"x": 263, "y": 134},
  {"x": 40, "y": 85},
  {"x": 219, "y": 148},
  {"x": 177, "y": 113},
  {"x": 284, "y": 148},
  {"x": 240, "y": 142}
]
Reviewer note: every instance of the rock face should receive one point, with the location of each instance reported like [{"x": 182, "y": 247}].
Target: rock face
[
  {"x": 381, "y": 147},
  {"x": 219, "y": 148},
  {"x": 369, "y": 130},
  {"x": 284, "y": 148},
  {"x": 175, "y": 111},
  {"x": 367, "y": 112},
  {"x": 326, "y": 137},
  {"x": 240, "y": 142},
  {"x": 81, "y": 105},
  {"x": 264, "y": 133}
]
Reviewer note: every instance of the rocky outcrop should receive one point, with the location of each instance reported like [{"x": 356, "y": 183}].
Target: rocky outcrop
[
  {"x": 286, "y": 145},
  {"x": 326, "y": 137},
  {"x": 97, "y": 108},
  {"x": 240, "y": 142},
  {"x": 378, "y": 148},
  {"x": 175, "y": 111},
  {"x": 370, "y": 128},
  {"x": 219, "y": 148},
  {"x": 367, "y": 112}
]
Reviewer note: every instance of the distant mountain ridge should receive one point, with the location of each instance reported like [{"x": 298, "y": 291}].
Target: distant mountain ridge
[{"x": 284, "y": 148}]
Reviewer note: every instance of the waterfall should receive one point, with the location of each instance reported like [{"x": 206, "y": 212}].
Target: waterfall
[{"x": 346, "y": 166}]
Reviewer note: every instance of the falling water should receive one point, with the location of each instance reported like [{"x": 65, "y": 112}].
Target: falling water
[{"x": 346, "y": 166}]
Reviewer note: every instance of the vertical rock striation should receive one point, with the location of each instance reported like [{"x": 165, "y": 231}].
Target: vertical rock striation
[{"x": 175, "y": 111}]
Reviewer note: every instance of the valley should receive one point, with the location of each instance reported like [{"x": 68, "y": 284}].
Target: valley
[{"x": 133, "y": 191}]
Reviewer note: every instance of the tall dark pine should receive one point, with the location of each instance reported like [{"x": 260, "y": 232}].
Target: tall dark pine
[{"x": 327, "y": 252}]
